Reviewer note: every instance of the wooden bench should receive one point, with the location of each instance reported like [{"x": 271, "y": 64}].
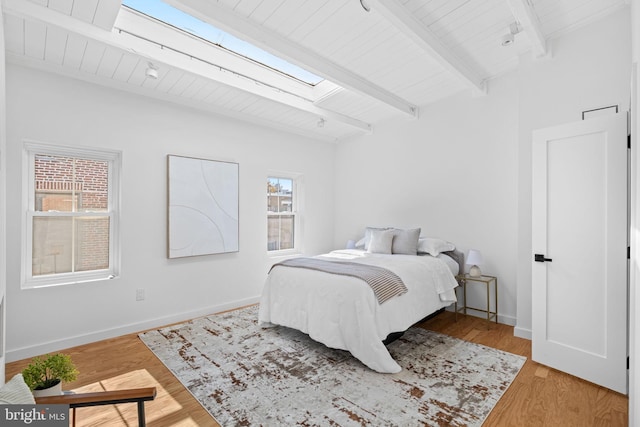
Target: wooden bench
[{"x": 79, "y": 400}]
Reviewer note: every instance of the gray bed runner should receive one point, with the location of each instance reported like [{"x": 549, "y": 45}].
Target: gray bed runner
[{"x": 384, "y": 283}]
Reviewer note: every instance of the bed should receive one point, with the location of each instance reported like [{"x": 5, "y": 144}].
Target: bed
[{"x": 343, "y": 312}]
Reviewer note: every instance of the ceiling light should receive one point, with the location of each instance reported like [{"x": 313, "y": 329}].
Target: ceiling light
[
  {"x": 365, "y": 6},
  {"x": 507, "y": 39},
  {"x": 510, "y": 37},
  {"x": 152, "y": 71}
]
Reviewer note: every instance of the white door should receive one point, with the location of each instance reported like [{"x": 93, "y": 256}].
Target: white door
[{"x": 579, "y": 238}]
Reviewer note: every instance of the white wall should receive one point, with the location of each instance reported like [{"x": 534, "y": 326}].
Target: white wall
[
  {"x": 3, "y": 185},
  {"x": 589, "y": 68},
  {"x": 450, "y": 172},
  {"x": 49, "y": 108}
]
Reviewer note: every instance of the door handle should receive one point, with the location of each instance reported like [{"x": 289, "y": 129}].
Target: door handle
[{"x": 541, "y": 258}]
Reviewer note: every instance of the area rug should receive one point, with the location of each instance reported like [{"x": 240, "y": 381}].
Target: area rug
[{"x": 245, "y": 375}]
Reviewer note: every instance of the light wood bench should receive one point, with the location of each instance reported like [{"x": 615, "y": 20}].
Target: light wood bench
[{"x": 79, "y": 400}]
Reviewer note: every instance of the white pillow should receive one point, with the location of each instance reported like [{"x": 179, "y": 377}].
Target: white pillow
[
  {"x": 381, "y": 241},
  {"x": 367, "y": 236},
  {"x": 405, "y": 241},
  {"x": 16, "y": 392},
  {"x": 434, "y": 246}
]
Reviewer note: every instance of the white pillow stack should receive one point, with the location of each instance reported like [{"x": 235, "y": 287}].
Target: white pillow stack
[{"x": 388, "y": 240}]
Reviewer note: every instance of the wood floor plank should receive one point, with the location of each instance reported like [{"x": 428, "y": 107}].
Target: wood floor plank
[{"x": 538, "y": 397}]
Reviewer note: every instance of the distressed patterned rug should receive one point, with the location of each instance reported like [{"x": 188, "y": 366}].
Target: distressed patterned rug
[{"x": 248, "y": 376}]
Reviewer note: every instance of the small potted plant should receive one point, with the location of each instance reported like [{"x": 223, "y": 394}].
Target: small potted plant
[{"x": 44, "y": 375}]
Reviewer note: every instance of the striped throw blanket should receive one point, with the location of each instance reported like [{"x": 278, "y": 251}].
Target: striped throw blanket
[{"x": 384, "y": 283}]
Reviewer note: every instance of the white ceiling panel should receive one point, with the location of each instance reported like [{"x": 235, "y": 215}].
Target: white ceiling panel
[
  {"x": 92, "y": 56},
  {"x": 138, "y": 74},
  {"x": 340, "y": 28},
  {"x": 307, "y": 27},
  {"x": 194, "y": 88},
  {"x": 182, "y": 84},
  {"x": 388, "y": 62},
  {"x": 357, "y": 106},
  {"x": 167, "y": 79},
  {"x": 223, "y": 96},
  {"x": 204, "y": 91},
  {"x": 35, "y": 36},
  {"x": 109, "y": 63},
  {"x": 85, "y": 10},
  {"x": 14, "y": 34},
  {"x": 264, "y": 10},
  {"x": 106, "y": 13},
  {"x": 62, "y": 6},
  {"x": 75, "y": 50},
  {"x": 126, "y": 67},
  {"x": 56, "y": 45},
  {"x": 576, "y": 14}
]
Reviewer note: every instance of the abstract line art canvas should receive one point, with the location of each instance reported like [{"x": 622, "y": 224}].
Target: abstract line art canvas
[{"x": 203, "y": 206}]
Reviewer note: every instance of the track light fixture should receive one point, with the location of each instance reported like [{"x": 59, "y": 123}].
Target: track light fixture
[
  {"x": 509, "y": 38},
  {"x": 365, "y": 6},
  {"x": 152, "y": 71}
]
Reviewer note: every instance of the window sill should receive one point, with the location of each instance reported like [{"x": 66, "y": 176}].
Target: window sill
[
  {"x": 59, "y": 281},
  {"x": 287, "y": 253}
]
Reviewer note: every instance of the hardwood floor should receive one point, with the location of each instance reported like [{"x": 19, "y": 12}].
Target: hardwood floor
[{"x": 539, "y": 396}]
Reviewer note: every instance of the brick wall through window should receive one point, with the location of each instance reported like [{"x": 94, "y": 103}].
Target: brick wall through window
[{"x": 81, "y": 243}]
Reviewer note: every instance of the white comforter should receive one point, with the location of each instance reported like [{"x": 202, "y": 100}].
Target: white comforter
[{"x": 342, "y": 312}]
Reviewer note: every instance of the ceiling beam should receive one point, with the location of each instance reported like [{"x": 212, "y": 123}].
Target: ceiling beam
[
  {"x": 406, "y": 22},
  {"x": 171, "y": 58},
  {"x": 272, "y": 42},
  {"x": 526, "y": 16}
]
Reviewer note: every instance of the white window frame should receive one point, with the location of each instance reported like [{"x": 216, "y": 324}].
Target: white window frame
[
  {"x": 114, "y": 160},
  {"x": 297, "y": 208}
]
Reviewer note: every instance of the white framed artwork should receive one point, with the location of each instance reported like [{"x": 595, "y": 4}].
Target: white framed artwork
[{"x": 202, "y": 206}]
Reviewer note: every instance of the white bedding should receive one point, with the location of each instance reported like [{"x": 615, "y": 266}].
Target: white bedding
[{"x": 342, "y": 312}]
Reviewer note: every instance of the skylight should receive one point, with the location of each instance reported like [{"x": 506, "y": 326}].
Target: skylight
[{"x": 187, "y": 23}]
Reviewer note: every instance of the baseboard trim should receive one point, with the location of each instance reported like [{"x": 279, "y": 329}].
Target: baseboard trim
[
  {"x": 522, "y": 333},
  {"x": 507, "y": 320},
  {"x": 48, "y": 347},
  {"x": 502, "y": 318}
]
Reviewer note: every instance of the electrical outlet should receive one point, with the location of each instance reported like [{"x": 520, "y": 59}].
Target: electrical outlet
[{"x": 139, "y": 294}]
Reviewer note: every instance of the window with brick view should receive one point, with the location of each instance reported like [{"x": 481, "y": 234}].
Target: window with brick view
[
  {"x": 71, "y": 219},
  {"x": 70, "y": 243},
  {"x": 280, "y": 213}
]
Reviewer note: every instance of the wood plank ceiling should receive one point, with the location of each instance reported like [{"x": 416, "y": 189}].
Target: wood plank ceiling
[{"x": 385, "y": 62}]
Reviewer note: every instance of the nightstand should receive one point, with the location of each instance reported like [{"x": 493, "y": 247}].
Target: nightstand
[{"x": 464, "y": 279}]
